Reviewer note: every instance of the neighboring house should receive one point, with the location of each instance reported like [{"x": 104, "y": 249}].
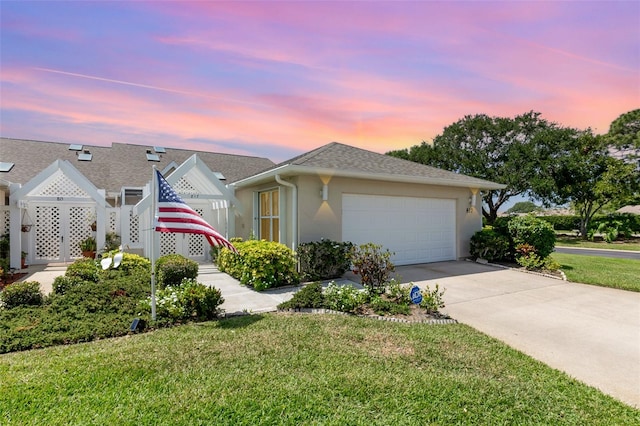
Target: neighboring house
[
  {"x": 629, "y": 209},
  {"x": 337, "y": 192}
]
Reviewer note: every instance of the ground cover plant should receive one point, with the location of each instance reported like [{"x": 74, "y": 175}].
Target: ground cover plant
[
  {"x": 297, "y": 369},
  {"x": 601, "y": 271}
]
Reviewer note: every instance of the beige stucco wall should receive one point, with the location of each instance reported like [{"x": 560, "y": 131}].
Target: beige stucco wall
[{"x": 323, "y": 219}]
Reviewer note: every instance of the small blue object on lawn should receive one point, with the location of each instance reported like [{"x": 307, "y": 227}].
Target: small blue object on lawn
[{"x": 416, "y": 296}]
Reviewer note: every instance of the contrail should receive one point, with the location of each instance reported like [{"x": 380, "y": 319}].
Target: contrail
[{"x": 147, "y": 86}]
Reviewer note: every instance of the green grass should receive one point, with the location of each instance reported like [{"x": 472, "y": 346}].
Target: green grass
[
  {"x": 566, "y": 241},
  {"x": 602, "y": 271},
  {"x": 298, "y": 369}
]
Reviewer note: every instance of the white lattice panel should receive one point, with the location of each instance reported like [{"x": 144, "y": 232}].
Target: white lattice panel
[
  {"x": 184, "y": 187},
  {"x": 134, "y": 228},
  {"x": 112, "y": 222},
  {"x": 47, "y": 224},
  {"x": 196, "y": 241},
  {"x": 79, "y": 228},
  {"x": 167, "y": 243},
  {"x": 5, "y": 223},
  {"x": 61, "y": 186}
]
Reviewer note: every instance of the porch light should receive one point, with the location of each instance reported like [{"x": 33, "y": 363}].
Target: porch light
[{"x": 325, "y": 192}]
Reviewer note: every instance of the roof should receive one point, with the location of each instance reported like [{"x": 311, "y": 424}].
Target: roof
[
  {"x": 629, "y": 209},
  {"x": 116, "y": 166},
  {"x": 338, "y": 159}
]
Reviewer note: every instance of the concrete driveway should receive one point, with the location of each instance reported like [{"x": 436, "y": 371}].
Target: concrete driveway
[{"x": 592, "y": 333}]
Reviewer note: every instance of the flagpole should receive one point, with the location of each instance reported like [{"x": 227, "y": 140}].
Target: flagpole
[{"x": 154, "y": 188}]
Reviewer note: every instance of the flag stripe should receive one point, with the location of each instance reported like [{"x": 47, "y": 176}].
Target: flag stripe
[{"x": 174, "y": 215}]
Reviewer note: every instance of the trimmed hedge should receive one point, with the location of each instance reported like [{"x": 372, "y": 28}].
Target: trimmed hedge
[
  {"x": 26, "y": 293},
  {"x": 260, "y": 264},
  {"x": 171, "y": 269},
  {"x": 324, "y": 259},
  {"x": 534, "y": 231}
]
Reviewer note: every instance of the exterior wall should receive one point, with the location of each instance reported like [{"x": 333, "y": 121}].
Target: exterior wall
[{"x": 323, "y": 219}]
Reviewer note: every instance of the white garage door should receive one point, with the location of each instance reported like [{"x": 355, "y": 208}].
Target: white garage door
[{"x": 418, "y": 230}]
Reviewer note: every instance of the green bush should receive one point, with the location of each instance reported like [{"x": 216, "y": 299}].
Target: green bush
[
  {"x": 373, "y": 265},
  {"x": 490, "y": 245},
  {"x": 190, "y": 301},
  {"x": 432, "y": 300},
  {"x": 26, "y": 293},
  {"x": 381, "y": 305},
  {"x": 534, "y": 231},
  {"x": 63, "y": 283},
  {"x": 171, "y": 269},
  {"x": 260, "y": 264},
  {"x": 345, "y": 298},
  {"x": 309, "y": 296},
  {"x": 563, "y": 222},
  {"x": 130, "y": 264},
  {"x": 84, "y": 269},
  {"x": 324, "y": 259}
]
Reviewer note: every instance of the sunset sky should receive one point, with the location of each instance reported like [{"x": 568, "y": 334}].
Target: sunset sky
[{"x": 276, "y": 79}]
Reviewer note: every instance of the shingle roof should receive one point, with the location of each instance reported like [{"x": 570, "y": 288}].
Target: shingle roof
[
  {"x": 117, "y": 166},
  {"x": 348, "y": 159}
]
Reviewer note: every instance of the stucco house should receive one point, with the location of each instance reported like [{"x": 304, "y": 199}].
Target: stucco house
[{"x": 52, "y": 193}]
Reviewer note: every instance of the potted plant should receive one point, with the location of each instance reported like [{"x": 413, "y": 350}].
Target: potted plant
[
  {"x": 88, "y": 247},
  {"x": 23, "y": 257}
]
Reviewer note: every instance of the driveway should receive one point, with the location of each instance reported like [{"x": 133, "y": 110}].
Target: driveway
[{"x": 591, "y": 333}]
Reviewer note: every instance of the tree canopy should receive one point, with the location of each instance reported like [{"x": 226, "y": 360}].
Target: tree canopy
[
  {"x": 524, "y": 207},
  {"x": 503, "y": 150}
]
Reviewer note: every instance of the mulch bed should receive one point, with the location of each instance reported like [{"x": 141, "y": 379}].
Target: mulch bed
[{"x": 11, "y": 278}]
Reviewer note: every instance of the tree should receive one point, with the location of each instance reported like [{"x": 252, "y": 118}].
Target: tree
[
  {"x": 504, "y": 150},
  {"x": 585, "y": 175},
  {"x": 624, "y": 132},
  {"x": 523, "y": 207}
]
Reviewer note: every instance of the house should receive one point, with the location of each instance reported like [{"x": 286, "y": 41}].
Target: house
[{"x": 337, "y": 192}]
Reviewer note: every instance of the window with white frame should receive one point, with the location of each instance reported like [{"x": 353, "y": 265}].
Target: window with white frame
[{"x": 269, "y": 215}]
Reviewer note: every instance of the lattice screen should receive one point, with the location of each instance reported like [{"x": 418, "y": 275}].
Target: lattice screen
[
  {"x": 47, "y": 224},
  {"x": 196, "y": 241},
  {"x": 134, "y": 228},
  {"x": 112, "y": 225},
  {"x": 184, "y": 187},
  {"x": 61, "y": 186},
  {"x": 79, "y": 228},
  {"x": 5, "y": 224},
  {"x": 167, "y": 243}
]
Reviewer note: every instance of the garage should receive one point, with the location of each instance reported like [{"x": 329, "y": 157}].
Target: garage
[{"x": 417, "y": 230}]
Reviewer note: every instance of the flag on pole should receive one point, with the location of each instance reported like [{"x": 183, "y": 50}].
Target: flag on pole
[{"x": 174, "y": 215}]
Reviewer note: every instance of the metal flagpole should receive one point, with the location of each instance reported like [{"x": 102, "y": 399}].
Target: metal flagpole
[{"x": 154, "y": 188}]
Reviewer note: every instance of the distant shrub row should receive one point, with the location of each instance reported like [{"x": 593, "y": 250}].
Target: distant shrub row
[{"x": 571, "y": 222}]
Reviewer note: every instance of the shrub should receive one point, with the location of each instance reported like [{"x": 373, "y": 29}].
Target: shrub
[
  {"x": 490, "y": 245},
  {"x": 84, "y": 269},
  {"x": 373, "y": 265},
  {"x": 381, "y": 305},
  {"x": 309, "y": 296},
  {"x": 324, "y": 259},
  {"x": 26, "y": 293},
  {"x": 563, "y": 222},
  {"x": 260, "y": 264},
  {"x": 63, "y": 283},
  {"x": 189, "y": 301},
  {"x": 130, "y": 264},
  {"x": 432, "y": 300},
  {"x": 534, "y": 231},
  {"x": 171, "y": 269},
  {"x": 345, "y": 298},
  {"x": 111, "y": 241}
]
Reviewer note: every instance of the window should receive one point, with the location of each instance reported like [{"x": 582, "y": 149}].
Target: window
[
  {"x": 132, "y": 196},
  {"x": 269, "y": 215}
]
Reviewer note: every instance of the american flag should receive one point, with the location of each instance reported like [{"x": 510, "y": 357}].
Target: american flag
[{"x": 174, "y": 215}]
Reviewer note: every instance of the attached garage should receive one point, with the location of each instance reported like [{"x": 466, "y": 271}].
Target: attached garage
[{"x": 417, "y": 230}]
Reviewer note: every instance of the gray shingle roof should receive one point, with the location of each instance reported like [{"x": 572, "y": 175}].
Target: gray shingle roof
[
  {"x": 346, "y": 158},
  {"x": 117, "y": 166}
]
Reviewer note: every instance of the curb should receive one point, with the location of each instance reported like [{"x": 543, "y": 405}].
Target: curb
[
  {"x": 432, "y": 321},
  {"x": 563, "y": 276}
]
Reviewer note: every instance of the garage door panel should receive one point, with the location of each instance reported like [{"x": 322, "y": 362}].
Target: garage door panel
[{"x": 418, "y": 230}]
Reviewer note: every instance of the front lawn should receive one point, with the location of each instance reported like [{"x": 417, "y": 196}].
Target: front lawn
[
  {"x": 602, "y": 271},
  {"x": 296, "y": 369}
]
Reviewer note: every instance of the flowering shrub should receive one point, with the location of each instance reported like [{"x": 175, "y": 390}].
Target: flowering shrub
[
  {"x": 189, "y": 301},
  {"x": 432, "y": 300},
  {"x": 344, "y": 298}
]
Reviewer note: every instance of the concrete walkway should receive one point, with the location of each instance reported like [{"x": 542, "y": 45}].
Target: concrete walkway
[{"x": 592, "y": 333}]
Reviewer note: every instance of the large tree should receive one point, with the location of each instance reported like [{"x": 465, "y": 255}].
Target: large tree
[
  {"x": 587, "y": 176},
  {"x": 503, "y": 150}
]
